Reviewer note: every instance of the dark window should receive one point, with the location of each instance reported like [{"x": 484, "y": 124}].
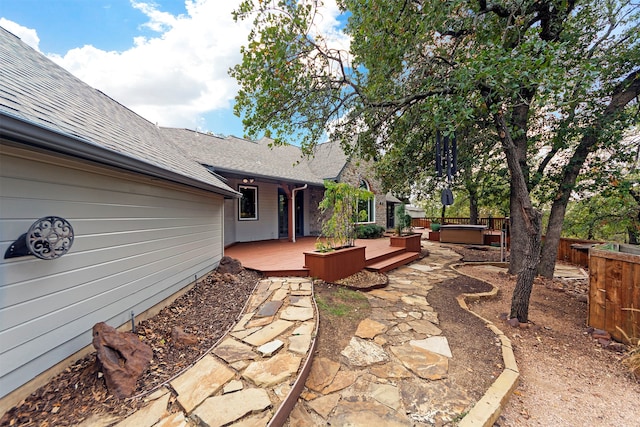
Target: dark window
[{"x": 248, "y": 204}]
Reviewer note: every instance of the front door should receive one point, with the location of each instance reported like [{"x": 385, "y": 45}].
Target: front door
[
  {"x": 283, "y": 214},
  {"x": 300, "y": 213},
  {"x": 391, "y": 215}
]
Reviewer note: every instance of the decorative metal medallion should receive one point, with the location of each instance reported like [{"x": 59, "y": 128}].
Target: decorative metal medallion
[{"x": 50, "y": 237}]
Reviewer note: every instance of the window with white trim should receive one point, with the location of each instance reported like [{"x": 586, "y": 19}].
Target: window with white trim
[
  {"x": 248, "y": 203},
  {"x": 366, "y": 208}
]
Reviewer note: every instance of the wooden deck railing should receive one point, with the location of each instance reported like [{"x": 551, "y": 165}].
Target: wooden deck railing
[{"x": 490, "y": 222}]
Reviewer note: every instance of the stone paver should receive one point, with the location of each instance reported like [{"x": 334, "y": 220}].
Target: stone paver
[
  {"x": 269, "y": 348},
  {"x": 438, "y": 345},
  {"x": 361, "y": 353},
  {"x": 204, "y": 379},
  {"x": 269, "y": 308},
  {"x": 366, "y": 413},
  {"x": 150, "y": 414},
  {"x": 370, "y": 328},
  {"x": 231, "y": 351},
  {"x": 342, "y": 380},
  {"x": 323, "y": 371},
  {"x": 297, "y": 313},
  {"x": 272, "y": 371},
  {"x": 269, "y": 332},
  {"x": 221, "y": 410},
  {"x": 425, "y": 364},
  {"x": 325, "y": 404}
]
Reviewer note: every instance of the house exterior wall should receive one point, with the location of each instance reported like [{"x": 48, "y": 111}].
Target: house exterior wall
[
  {"x": 353, "y": 172},
  {"x": 266, "y": 226},
  {"x": 137, "y": 242},
  {"x": 230, "y": 215}
]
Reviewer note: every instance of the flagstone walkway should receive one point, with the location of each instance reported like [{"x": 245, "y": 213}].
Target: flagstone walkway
[{"x": 393, "y": 372}]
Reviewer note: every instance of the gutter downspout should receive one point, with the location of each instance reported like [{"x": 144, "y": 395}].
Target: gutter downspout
[{"x": 293, "y": 206}]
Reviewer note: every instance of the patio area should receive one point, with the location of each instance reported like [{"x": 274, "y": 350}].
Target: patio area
[{"x": 281, "y": 258}]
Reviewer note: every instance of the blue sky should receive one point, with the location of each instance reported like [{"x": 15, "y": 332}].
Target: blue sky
[{"x": 167, "y": 60}]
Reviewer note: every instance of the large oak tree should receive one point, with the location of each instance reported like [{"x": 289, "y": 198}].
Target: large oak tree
[{"x": 541, "y": 71}]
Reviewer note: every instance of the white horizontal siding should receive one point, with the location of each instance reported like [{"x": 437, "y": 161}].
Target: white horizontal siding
[
  {"x": 229, "y": 222},
  {"x": 137, "y": 241},
  {"x": 266, "y": 227}
]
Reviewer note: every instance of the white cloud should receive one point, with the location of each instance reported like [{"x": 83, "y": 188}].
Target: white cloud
[
  {"x": 27, "y": 35},
  {"x": 178, "y": 76},
  {"x": 327, "y": 24},
  {"x": 159, "y": 21}
]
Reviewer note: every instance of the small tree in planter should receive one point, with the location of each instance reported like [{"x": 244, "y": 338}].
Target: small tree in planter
[
  {"x": 340, "y": 211},
  {"x": 403, "y": 220}
]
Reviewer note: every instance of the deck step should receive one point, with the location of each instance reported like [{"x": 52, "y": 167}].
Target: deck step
[
  {"x": 389, "y": 253},
  {"x": 393, "y": 262}
]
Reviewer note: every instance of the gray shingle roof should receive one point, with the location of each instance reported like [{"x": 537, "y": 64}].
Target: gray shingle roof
[
  {"x": 36, "y": 91},
  {"x": 257, "y": 159},
  {"x": 328, "y": 160}
]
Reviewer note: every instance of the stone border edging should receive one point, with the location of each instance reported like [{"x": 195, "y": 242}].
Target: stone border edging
[
  {"x": 487, "y": 410},
  {"x": 289, "y": 402}
]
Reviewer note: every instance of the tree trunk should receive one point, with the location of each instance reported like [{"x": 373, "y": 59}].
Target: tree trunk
[
  {"x": 517, "y": 234},
  {"x": 552, "y": 240},
  {"x": 473, "y": 208},
  {"x": 526, "y": 276},
  {"x": 520, "y": 170},
  {"x": 634, "y": 228},
  {"x": 624, "y": 93},
  {"x": 633, "y": 236},
  {"x": 559, "y": 206},
  {"x": 529, "y": 222}
]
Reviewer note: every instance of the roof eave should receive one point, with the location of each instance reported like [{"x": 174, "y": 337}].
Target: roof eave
[
  {"x": 27, "y": 133},
  {"x": 223, "y": 171}
]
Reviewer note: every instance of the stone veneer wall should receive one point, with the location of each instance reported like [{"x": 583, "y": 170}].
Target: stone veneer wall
[
  {"x": 353, "y": 172},
  {"x": 315, "y": 218}
]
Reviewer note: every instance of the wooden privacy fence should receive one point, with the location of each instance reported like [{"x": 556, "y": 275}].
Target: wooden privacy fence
[
  {"x": 614, "y": 290},
  {"x": 575, "y": 251},
  {"x": 490, "y": 222}
]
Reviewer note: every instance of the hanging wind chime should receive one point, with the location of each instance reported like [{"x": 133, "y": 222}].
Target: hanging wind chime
[{"x": 446, "y": 162}]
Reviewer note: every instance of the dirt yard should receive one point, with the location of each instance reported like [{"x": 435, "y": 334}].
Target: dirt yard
[{"x": 567, "y": 377}]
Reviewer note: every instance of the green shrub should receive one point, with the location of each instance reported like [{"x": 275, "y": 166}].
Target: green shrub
[
  {"x": 403, "y": 220},
  {"x": 369, "y": 231}
]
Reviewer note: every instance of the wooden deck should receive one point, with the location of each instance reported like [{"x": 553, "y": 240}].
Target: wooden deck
[{"x": 281, "y": 258}]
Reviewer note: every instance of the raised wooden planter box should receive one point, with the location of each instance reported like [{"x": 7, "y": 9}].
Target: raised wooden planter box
[
  {"x": 410, "y": 242},
  {"x": 614, "y": 290},
  {"x": 335, "y": 265},
  {"x": 434, "y": 236}
]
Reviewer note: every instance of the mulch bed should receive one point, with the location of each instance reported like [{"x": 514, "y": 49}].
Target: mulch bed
[
  {"x": 364, "y": 281},
  {"x": 206, "y": 311}
]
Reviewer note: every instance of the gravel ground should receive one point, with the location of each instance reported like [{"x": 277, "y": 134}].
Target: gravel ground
[{"x": 567, "y": 377}]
